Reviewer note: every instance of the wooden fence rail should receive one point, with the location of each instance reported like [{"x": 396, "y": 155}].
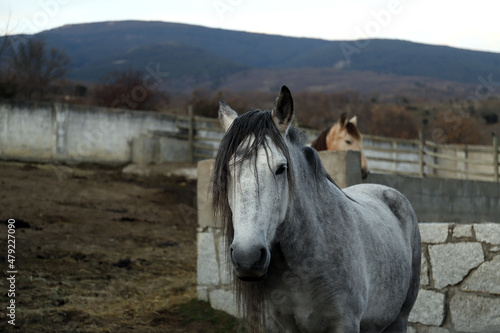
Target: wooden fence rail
[
  {"x": 420, "y": 158},
  {"x": 433, "y": 160}
]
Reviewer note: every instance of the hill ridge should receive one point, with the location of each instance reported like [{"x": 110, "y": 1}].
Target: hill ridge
[{"x": 215, "y": 53}]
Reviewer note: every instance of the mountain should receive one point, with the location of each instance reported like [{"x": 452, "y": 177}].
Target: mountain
[
  {"x": 214, "y": 55},
  {"x": 177, "y": 59}
]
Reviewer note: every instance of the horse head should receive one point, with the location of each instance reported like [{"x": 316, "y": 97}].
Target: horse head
[
  {"x": 345, "y": 135},
  {"x": 255, "y": 157}
]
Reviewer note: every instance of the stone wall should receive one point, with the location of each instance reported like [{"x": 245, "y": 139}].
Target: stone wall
[
  {"x": 460, "y": 279},
  {"x": 213, "y": 279}
]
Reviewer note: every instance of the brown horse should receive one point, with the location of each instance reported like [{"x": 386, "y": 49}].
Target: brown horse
[{"x": 343, "y": 135}]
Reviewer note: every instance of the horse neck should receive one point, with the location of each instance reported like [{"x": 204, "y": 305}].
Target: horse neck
[
  {"x": 315, "y": 201},
  {"x": 331, "y": 135}
]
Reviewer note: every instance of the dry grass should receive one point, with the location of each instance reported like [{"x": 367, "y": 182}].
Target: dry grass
[{"x": 94, "y": 258}]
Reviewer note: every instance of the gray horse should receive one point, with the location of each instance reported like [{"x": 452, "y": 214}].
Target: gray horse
[{"x": 308, "y": 256}]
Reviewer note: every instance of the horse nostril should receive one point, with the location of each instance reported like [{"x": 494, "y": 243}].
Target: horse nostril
[
  {"x": 232, "y": 257},
  {"x": 263, "y": 257},
  {"x": 255, "y": 258}
]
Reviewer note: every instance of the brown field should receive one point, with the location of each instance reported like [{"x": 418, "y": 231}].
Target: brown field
[{"x": 103, "y": 252}]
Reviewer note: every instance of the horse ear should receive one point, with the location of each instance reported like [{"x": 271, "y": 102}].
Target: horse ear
[
  {"x": 343, "y": 120},
  {"x": 283, "y": 110},
  {"x": 354, "y": 120},
  {"x": 226, "y": 115}
]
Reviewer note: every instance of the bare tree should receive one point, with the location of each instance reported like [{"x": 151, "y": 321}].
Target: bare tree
[
  {"x": 127, "y": 90},
  {"x": 390, "y": 121},
  {"x": 3, "y": 44},
  {"x": 457, "y": 128},
  {"x": 7, "y": 86},
  {"x": 35, "y": 68}
]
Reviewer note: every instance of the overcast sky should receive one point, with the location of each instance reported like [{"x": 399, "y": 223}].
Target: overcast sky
[{"x": 464, "y": 24}]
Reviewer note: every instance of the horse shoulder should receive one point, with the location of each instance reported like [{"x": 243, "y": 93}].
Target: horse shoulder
[
  {"x": 388, "y": 217},
  {"x": 375, "y": 195}
]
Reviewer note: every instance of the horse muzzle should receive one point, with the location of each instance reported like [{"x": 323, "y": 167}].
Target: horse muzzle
[{"x": 250, "y": 264}]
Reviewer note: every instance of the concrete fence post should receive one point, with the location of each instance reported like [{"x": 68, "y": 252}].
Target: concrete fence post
[
  {"x": 343, "y": 166},
  {"x": 191, "y": 133},
  {"x": 495, "y": 157}
]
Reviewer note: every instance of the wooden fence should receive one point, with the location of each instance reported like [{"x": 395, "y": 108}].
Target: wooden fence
[
  {"x": 419, "y": 158},
  {"x": 203, "y": 134},
  {"x": 428, "y": 159}
]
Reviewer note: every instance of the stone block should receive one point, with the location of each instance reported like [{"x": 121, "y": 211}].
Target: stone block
[
  {"x": 224, "y": 300},
  {"x": 207, "y": 265},
  {"x": 462, "y": 231},
  {"x": 488, "y": 233},
  {"x": 486, "y": 278},
  {"x": 494, "y": 249},
  {"x": 202, "y": 293},
  {"x": 451, "y": 262},
  {"x": 144, "y": 150},
  {"x": 225, "y": 267},
  {"x": 433, "y": 233},
  {"x": 472, "y": 313},
  {"x": 172, "y": 150},
  {"x": 428, "y": 309},
  {"x": 204, "y": 194}
]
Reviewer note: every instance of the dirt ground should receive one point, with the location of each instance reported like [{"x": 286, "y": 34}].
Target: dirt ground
[{"x": 97, "y": 250}]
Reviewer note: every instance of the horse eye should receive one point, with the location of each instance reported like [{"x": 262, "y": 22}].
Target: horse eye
[
  {"x": 348, "y": 142},
  {"x": 281, "y": 169}
]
